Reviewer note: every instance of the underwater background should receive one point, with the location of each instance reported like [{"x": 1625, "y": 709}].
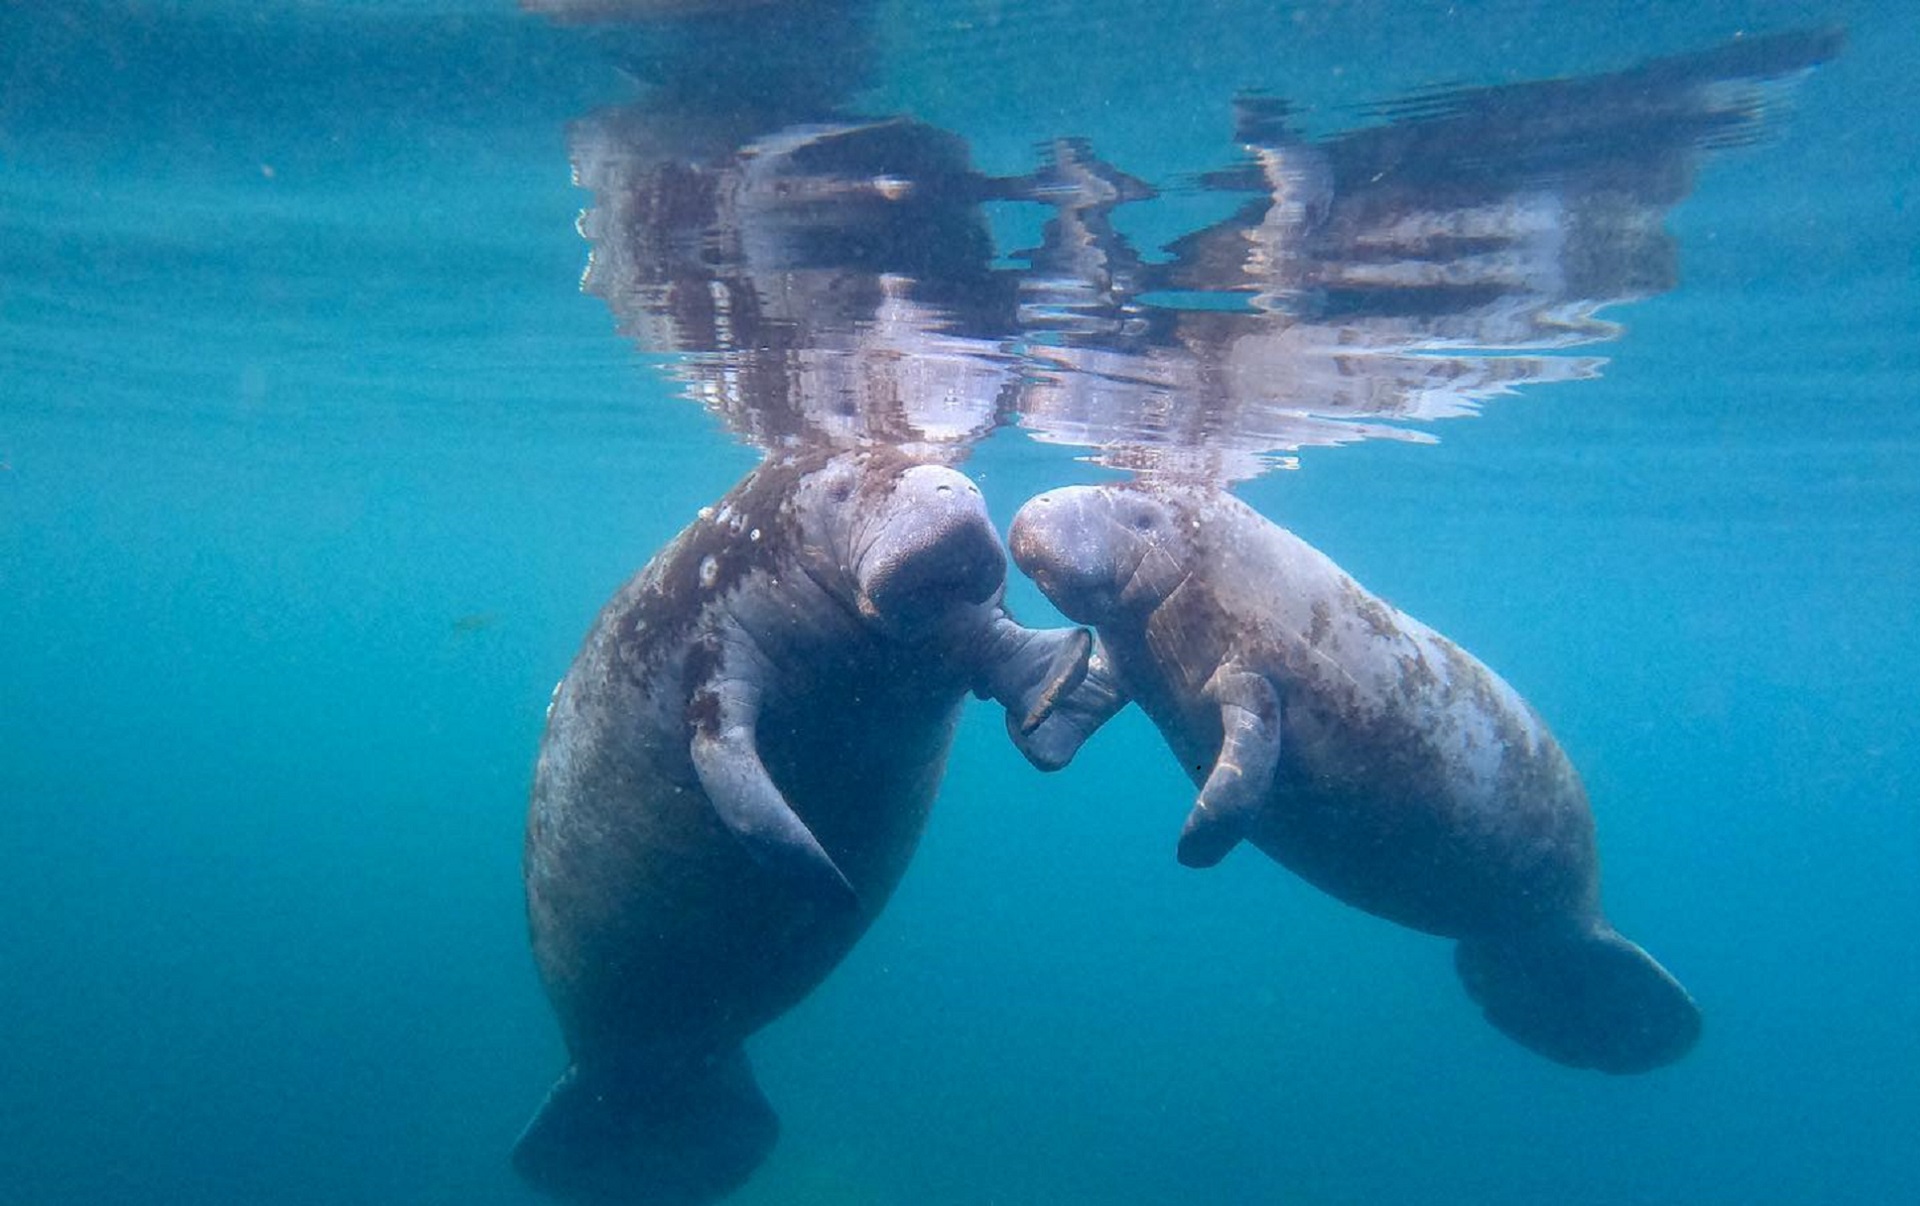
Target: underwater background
[{"x": 316, "y": 464}]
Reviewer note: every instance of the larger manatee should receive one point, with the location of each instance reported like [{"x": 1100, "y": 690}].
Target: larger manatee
[
  {"x": 735, "y": 772},
  {"x": 1354, "y": 745}
]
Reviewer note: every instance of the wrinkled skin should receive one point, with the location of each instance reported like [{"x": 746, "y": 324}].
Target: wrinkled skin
[
  {"x": 1354, "y": 745},
  {"x": 734, "y": 776}
]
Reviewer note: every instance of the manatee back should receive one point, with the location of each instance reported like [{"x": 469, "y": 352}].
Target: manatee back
[{"x": 1413, "y": 781}]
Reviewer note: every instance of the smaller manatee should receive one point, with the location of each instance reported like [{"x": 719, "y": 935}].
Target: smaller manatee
[{"x": 1355, "y": 746}]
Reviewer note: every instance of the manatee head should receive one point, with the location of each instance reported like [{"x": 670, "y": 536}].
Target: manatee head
[
  {"x": 1101, "y": 553},
  {"x": 916, "y": 541}
]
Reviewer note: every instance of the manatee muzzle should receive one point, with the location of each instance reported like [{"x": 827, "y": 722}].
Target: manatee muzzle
[
  {"x": 1067, "y": 542},
  {"x": 934, "y": 550}
]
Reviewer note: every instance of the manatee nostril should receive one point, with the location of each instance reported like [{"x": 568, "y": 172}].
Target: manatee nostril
[{"x": 943, "y": 488}]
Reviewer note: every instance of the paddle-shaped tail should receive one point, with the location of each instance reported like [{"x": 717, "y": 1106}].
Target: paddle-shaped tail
[
  {"x": 686, "y": 1140},
  {"x": 1582, "y": 996}
]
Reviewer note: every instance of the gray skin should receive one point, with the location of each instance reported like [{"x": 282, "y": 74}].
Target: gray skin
[
  {"x": 735, "y": 773},
  {"x": 1355, "y": 746}
]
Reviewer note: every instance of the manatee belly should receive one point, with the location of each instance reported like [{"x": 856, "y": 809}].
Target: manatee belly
[
  {"x": 657, "y": 936},
  {"x": 1381, "y": 816}
]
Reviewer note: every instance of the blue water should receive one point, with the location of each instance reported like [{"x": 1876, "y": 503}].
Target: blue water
[{"x": 315, "y": 465}]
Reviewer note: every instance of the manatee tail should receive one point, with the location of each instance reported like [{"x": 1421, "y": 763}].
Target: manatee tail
[
  {"x": 610, "y": 1141},
  {"x": 1585, "y": 997}
]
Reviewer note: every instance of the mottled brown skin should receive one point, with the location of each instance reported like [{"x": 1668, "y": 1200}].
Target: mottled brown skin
[
  {"x": 1410, "y": 779},
  {"x": 630, "y": 873},
  {"x": 856, "y": 598}
]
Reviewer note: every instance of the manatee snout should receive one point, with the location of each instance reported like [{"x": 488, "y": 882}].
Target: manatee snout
[
  {"x": 1069, "y": 541},
  {"x": 931, "y": 549}
]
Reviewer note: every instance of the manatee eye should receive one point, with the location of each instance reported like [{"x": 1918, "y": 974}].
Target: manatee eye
[
  {"x": 1143, "y": 520},
  {"x": 840, "y": 491}
]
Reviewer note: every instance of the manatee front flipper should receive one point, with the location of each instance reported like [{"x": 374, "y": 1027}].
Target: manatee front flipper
[
  {"x": 749, "y": 802},
  {"x": 1581, "y": 996},
  {"x": 1077, "y": 713},
  {"x": 617, "y": 1138},
  {"x": 1242, "y": 776},
  {"x": 1029, "y": 671},
  {"x": 1061, "y": 656}
]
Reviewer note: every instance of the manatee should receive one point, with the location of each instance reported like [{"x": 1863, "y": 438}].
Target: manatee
[
  {"x": 1355, "y": 746},
  {"x": 734, "y": 774}
]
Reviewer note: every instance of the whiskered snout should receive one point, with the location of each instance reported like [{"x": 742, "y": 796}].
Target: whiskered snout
[
  {"x": 1065, "y": 540},
  {"x": 934, "y": 550}
]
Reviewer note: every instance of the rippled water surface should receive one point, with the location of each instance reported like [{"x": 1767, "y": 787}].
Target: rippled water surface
[{"x": 352, "y": 356}]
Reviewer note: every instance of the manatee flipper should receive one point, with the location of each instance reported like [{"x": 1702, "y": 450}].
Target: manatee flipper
[
  {"x": 1581, "y": 996},
  {"x": 727, "y": 759},
  {"x": 1029, "y": 671},
  {"x": 610, "y": 1139},
  {"x": 1064, "y": 666},
  {"x": 1237, "y": 786},
  {"x": 1076, "y": 715}
]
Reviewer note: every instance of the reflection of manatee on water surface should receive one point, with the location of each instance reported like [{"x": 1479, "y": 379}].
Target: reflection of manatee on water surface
[
  {"x": 1385, "y": 277},
  {"x": 735, "y": 772},
  {"x": 1355, "y": 746},
  {"x": 826, "y": 284}
]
